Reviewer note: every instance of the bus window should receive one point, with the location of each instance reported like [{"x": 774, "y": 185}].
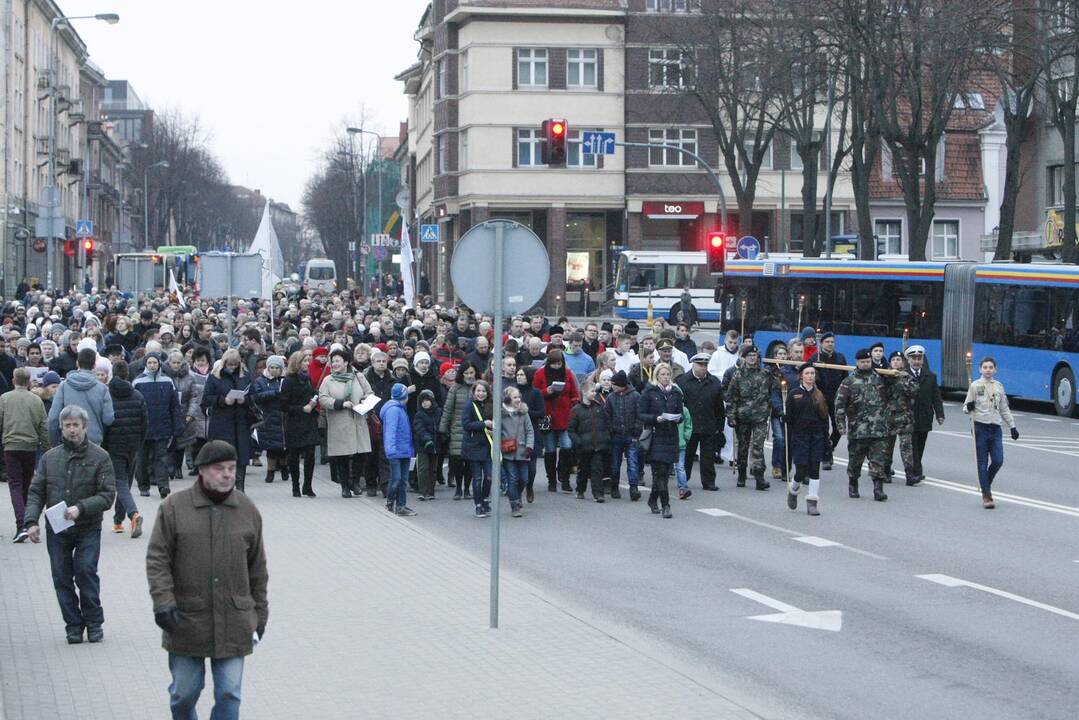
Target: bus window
[{"x": 642, "y": 277}]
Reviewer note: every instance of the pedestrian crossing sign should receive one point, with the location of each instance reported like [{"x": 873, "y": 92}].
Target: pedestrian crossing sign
[
  {"x": 429, "y": 233},
  {"x": 84, "y": 228}
]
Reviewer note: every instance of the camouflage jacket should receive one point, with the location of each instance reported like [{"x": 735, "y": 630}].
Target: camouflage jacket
[
  {"x": 900, "y": 406},
  {"x": 861, "y": 406},
  {"x": 749, "y": 394}
]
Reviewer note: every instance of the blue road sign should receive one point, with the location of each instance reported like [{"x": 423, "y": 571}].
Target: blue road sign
[
  {"x": 748, "y": 247},
  {"x": 430, "y": 233},
  {"x": 84, "y": 228},
  {"x": 597, "y": 143}
]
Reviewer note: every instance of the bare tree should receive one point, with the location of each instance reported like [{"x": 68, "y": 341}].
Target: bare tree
[{"x": 1061, "y": 61}]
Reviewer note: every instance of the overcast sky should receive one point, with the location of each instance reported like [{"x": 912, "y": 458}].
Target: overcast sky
[{"x": 270, "y": 81}]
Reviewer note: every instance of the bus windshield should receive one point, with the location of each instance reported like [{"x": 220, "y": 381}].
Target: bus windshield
[
  {"x": 637, "y": 277},
  {"x": 320, "y": 273}
]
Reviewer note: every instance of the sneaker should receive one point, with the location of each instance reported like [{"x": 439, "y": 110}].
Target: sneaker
[
  {"x": 257, "y": 462},
  {"x": 634, "y": 493},
  {"x": 405, "y": 511},
  {"x": 136, "y": 526},
  {"x": 515, "y": 511},
  {"x": 20, "y": 536},
  {"x": 117, "y": 528},
  {"x": 457, "y": 495},
  {"x": 390, "y": 508},
  {"x": 95, "y": 634},
  {"x": 422, "y": 497},
  {"x": 74, "y": 638},
  {"x": 827, "y": 465},
  {"x": 481, "y": 512},
  {"x": 667, "y": 512}
]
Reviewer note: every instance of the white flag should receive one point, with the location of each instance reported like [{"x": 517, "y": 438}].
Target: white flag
[
  {"x": 406, "y": 265},
  {"x": 266, "y": 244},
  {"x": 174, "y": 289}
]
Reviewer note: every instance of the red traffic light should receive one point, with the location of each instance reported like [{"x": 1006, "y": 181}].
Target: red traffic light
[
  {"x": 715, "y": 239},
  {"x": 558, "y": 129},
  {"x": 716, "y": 247},
  {"x": 88, "y": 245}
]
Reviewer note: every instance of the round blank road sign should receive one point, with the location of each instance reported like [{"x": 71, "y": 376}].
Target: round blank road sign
[{"x": 526, "y": 268}]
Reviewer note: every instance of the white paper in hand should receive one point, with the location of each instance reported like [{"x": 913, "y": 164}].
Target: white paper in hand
[
  {"x": 236, "y": 395},
  {"x": 671, "y": 417},
  {"x": 55, "y": 516},
  {"x": 367, "y": 404}
]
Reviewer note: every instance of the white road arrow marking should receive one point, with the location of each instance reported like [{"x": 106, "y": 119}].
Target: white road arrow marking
[
  {"x": 831, "y": 620},
  {"x": 953, "y": 582}
]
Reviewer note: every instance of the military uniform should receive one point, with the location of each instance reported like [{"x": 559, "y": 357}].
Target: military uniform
[
  {"x": 900, "y": 411},
  {"x": 860, "y": 412},
  {"x": 749, "y": 407}
]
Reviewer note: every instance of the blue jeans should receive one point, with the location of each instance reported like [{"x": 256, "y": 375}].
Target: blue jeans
[
  {"x": 556, "y": 438},
  {"x": 680, "y": 470},
  {"x": 989, "y": 443},
  {"x": 515, "y": 477},
  {"x": 189, "y": 677},
  {"x": 73, "y": 556},
  {"x": 779, "y": 445},
  {"x": 625, "y": 446},
  {"x": 396, "y": 494},
  {"x": 481, "y": 480}
]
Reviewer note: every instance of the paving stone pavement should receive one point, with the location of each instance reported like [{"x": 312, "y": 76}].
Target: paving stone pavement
[{"x": 371, "y": 616}]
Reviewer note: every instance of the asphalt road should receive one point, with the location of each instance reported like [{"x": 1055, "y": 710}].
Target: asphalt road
[{"x": 990, "y": 632}]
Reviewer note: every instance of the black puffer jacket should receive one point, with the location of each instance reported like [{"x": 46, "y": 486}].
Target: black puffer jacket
[
  {"x": 129, "y": 410},
  {"x": 427, "y": 381},
  {"x": 623, "y": 414},
  {"x": 656, "y": 401},
  {"x": 267, "y": 393},
  {"x": 301, "y": 428},
  {"x": 588, "y": 428}
]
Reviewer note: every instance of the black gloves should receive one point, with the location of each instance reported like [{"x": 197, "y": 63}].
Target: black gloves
[
  {"x": 167, "y": 618},
  {"x": 1015, "y": 434},
  {"x": 970, "y": 407}
]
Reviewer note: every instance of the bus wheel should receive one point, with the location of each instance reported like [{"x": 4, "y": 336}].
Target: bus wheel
[{"x": 1064, "y": 392}]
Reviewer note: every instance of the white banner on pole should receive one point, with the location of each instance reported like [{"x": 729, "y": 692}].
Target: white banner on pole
[{"x": 406, "y": 265}]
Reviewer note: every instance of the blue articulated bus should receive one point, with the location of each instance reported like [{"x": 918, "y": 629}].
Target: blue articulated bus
[{"x": 1022, "y": 315}]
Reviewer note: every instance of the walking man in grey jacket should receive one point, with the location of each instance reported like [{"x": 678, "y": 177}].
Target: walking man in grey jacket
[
  {"x": 82, "y": 388},
  {"x": 79, "y": 474}
]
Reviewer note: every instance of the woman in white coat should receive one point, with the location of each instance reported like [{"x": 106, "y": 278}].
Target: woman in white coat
[{"x": 347, "y": 436}]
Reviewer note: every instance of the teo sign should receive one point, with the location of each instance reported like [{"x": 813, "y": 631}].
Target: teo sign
[{"x": 673, "y": 210}]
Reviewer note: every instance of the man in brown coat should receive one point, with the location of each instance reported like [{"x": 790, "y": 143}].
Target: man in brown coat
[{"x": 207, "y": 571}]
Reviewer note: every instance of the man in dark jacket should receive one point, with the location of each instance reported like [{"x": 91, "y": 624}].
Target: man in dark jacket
[
  {"x": 206, "y": 565},
  {"x": 164, "y": 422},
  {"x": 79, "y": 474},
  {"x": 67, "y": 360},
  {"x": 703, "y": 397},
  {"x": 927, "y": 405},
  {"x": 123, "y": 440},
  {"x": 625, "y": 425},
  {"x": 828, "y": 381}
]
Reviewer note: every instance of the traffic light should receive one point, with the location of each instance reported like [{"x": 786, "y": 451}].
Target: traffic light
[
  {"x": 716, "y": 247},
  {"x": 88, "y": 251},
  {"x": 69, "y": 248},
  {"x": 553, "y": 148}
]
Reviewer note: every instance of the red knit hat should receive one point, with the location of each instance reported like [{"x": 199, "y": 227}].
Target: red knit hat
[{"x": 445, "y": 368}]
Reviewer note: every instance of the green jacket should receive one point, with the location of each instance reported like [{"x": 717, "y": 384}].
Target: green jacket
[
  {"x": 900, "y": 406},
  {"x": 23, "y": 422},
  {"x": 749, "y": 394},
  {"x": 860, "y": 405},
  {"x": 80, "y": 475},
  {"x": 686, "y": 428}
]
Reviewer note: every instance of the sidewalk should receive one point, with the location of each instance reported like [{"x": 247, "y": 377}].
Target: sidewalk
[{"x": 370, "y": 616}]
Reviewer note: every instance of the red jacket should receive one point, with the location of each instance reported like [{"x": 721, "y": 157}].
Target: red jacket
[{"x": 557, "y": 405}]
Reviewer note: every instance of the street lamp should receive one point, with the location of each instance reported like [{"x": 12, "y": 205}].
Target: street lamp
[
  {"x": 146, "y": 200},
  {"x": 363, "y": 262},
  {"x": 52, "y": 196}
]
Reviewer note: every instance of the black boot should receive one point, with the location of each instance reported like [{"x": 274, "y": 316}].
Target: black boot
[
  {"x": 565, "y": 469},
  {"x": 741, "y": 476},
  {"x": 550, "y": 465},
  {"x": 762, "y": 484},
  {"x": 878, "y": 490},
  {"x": 613, "y": 489},
  {"x": 852, "y": 488},
  {"x": 296, "y": 487},
  {"x": 269, "y": 475},
  {"x": 308, "y": 491},
  {"x": 634, "y": 493},
  {"x": 346, "y": 490},
  {"x": 653, "y": 503}
]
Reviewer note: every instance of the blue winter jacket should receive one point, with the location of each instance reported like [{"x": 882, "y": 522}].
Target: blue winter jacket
[
  {"x": 162, "y": 405},
  {"x": 396, "y": 432}
]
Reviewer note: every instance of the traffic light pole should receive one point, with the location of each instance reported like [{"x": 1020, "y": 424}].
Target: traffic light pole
[{"x": 707, "y": 168}]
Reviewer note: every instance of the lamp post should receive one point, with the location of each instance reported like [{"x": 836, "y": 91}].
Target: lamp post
[
  {"x": 146, "y": 201},
  {"x": 52, "y": 196},
  {"x": 363, "y": 261}
]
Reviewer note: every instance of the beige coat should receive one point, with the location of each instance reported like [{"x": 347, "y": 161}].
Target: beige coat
[
  {"x": 346, "y": 430},
  {"x": 208, "y": 562}
]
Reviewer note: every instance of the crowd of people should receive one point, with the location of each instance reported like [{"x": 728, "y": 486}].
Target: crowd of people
[{"x": 100, "y": 393}]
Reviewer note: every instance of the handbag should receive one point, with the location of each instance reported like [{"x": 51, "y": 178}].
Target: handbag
[
  {"x": 545, "y": 423},
  {"x": 644, "y": 442},
  {"x": 509, "y": 446},
  {"x": 374, "y": 427}
]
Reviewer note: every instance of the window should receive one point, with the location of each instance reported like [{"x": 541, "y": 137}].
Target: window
[
  {"x": 766, "y": 159},
  {"x": 1021, "y": 316},
  {"x": 531, "y": 67},
  {"x": 462, "y": 161},
  {"x": 443, "y": 154},
  {"x": 969, "y": 101},
  {"x": 672, "y": 5},
  {"x": 574, "y": 156},
  {"x": 890, "y": 232},
  {"x": 582, "y": 68},
  {"x": 440, "y": 72},
  {"x": 796, "y": 159},
  {"x": 528, "y": 148},
  {"x": 1055, "y": 186},
  {"x": 665, "y": 157},
  {"x": 1061, "y": 16},
  {"x": 668, "y": 68},
  {"x": 464, "y": 71},
  {"x": 945, "y": 239}
]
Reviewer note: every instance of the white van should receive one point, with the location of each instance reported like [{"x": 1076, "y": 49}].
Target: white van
[{"x": 320, "y": 276}]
